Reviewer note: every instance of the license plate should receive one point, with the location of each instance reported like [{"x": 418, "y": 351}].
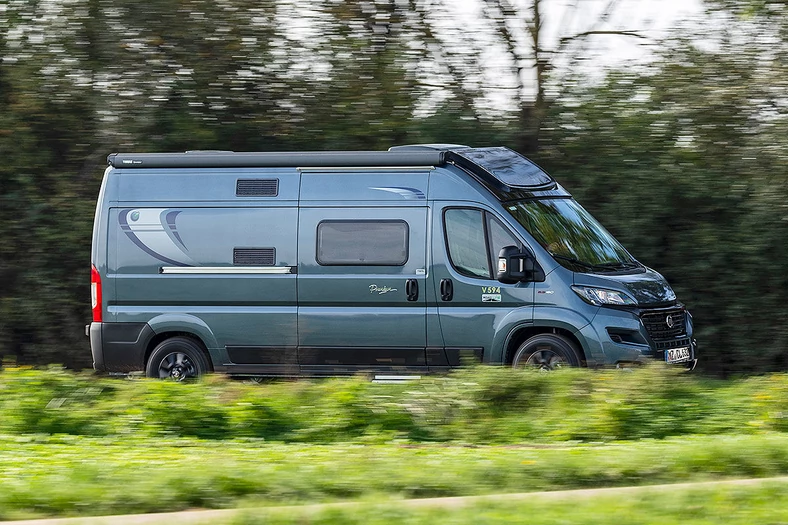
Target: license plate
[{"x": 677, "y": 355}]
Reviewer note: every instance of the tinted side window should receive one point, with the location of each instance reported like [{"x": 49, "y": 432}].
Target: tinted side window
[
  {"x": 466, "y": 242},
  {"x": 500, "y": 236},
  {"x": 373, "y": 243}
]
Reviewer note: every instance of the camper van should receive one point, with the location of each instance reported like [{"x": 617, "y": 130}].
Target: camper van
[{"x": 403, "y": 262}]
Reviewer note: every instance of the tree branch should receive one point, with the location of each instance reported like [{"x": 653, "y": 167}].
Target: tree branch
[
  {"x": 584, "y": 34},
  {"x": 468, "y": 99},
  {"x": 494, "y": 7}
]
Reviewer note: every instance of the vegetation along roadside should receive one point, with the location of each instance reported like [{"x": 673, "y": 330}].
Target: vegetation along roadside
[{"x": 73, "y": 444}]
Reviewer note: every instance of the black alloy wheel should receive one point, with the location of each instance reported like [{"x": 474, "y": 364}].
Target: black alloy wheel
[
  {"x": 177, "y": 358},
  {"x": 546, "y": 352}
]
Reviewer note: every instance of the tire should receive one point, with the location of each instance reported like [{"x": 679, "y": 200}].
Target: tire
[
  {"x": 547, "y": 352},
  {"x": 177, "y": 358}
]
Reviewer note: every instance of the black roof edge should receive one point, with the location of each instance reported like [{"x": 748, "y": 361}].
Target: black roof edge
[{"x": 216, "y": 159}]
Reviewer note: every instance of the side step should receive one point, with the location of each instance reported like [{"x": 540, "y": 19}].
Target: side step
[{"x": 387, "y": 379}]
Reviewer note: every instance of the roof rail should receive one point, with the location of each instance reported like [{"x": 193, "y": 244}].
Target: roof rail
[{"x": 217, "y": 159}]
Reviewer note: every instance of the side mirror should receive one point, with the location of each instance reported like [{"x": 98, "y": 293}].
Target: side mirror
[{"x": 515, "y": 266}]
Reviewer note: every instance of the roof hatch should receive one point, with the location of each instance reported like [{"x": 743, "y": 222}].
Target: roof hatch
[{"x": 502, "y": 168}]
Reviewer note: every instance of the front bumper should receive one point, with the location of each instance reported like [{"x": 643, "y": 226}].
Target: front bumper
[{"x": 618, "y": 338}]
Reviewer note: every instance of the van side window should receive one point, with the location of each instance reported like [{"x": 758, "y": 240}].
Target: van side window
[
  {"x": 466, "y": 242},
  {"x": 364, "y": 243},
  {"x": 500, "y": 236},
  {"x": 474, "y": 238}
]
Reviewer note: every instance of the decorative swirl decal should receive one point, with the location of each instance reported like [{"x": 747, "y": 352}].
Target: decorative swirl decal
[
  {"x": 406, "y": 193},
  {"x": 154, "y": 231}
]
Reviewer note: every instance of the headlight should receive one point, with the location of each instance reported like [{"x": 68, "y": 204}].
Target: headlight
[{"x": 601, "y": 296}]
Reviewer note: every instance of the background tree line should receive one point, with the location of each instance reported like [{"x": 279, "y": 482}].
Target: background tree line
[{"x": 684, "y": 158}]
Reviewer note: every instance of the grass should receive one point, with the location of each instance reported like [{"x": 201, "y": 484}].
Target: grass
[
  {"x": 72, "y": 475},
  {"x": 697, "y": 506}
]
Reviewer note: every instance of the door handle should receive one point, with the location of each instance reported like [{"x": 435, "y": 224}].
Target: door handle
[
  {"x": 447, "y": 290},
  {"x": 412, "y": 289}
]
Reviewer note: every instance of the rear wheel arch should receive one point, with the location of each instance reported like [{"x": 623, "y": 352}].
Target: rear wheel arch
[
  {"x": 159, "y": 338},
  {"x": 168, "y": 325}
]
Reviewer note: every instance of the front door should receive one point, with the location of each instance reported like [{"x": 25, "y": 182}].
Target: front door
[
  {"x": 472, "y": 305},
  {"x": 361, "y": 289}
]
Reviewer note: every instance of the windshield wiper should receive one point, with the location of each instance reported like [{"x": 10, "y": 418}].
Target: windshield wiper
[
  {"x": 621, "y": 265},
  {"x": 572, "y": 260},
  {"x": 611, "y": 266}
]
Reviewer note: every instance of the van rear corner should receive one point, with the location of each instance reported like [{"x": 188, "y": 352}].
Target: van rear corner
[{"x": 93, "y": 331}]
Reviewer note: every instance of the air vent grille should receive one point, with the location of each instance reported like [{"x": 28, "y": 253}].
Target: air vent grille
[
  {"x": 257, "y": 187},
  {"x": 254, "y": 256}
]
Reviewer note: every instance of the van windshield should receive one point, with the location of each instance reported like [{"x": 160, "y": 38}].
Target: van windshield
[{"x": 572, "y": 236}]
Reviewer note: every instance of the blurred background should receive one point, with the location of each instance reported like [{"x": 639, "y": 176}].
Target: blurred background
[{"x": 668, "y": 120}]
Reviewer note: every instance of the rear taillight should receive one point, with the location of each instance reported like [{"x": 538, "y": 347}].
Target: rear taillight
[{"x": 95, "y": 294}]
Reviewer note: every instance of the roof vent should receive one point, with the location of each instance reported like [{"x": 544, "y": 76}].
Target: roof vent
[
  {"x": 427, "y": 147},
  {"x": 254, "y": 256},
  {"x": 503, "y": 168},
  {"x": 257, "y": 188},
  {"x": 208, "y": 151}
]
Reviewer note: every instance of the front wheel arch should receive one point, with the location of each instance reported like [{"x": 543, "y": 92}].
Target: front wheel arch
[
  {"x": 522, "y": 334},
  {"x": 547, "y": 352}
]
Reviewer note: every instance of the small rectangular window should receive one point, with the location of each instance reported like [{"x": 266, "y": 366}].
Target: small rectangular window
[{"x": 365, "y": 243}]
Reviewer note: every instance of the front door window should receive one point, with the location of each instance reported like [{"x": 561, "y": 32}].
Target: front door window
[
  {"x": 466, "y": 240},
  {"x": 474, "y": 238}
]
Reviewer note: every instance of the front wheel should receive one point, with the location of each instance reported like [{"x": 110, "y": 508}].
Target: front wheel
[
  {"x": 546, "y": 352},
  {"x": 177, "y": 358}
]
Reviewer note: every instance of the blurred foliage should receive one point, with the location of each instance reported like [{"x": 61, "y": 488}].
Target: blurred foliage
[
  {"x": 764, "y": 503},
  {"x": 76, "y": 475},
  {"x": 77, "y": 444},
  {"x": 481, "y": 405},
  {"x": 688, "y": 166},
  {"x": 79, "y": 476},
  {"x": 685, "y": 160}
]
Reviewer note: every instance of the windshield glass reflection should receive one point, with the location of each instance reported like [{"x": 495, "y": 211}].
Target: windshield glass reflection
[{"x": 572, "y": 236}]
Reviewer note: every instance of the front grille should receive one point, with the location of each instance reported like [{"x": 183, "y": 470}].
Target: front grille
[
  {"x": 675, "y": 343},
  {"x": 658, "y": 323}
]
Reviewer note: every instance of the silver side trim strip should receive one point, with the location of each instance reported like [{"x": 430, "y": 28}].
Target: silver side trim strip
[
  {"x": 226, "y": 269},
  {"x": 394, "y": 379},
  {"x": 366, "y": 168}
]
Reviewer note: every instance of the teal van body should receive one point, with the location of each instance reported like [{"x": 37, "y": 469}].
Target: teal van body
[{"x": 407, "y": 261}]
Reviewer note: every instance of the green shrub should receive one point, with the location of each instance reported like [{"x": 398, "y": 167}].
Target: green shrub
[
  {"x": 52, "y": 401},
  {"x": 475, "y": 405},
  {"x": 183, "y": 409}
]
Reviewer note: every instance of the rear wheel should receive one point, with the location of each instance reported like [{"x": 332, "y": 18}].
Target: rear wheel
[
  {"x": 546, "y": 352},
  {"x": 177, "y": 358}
]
